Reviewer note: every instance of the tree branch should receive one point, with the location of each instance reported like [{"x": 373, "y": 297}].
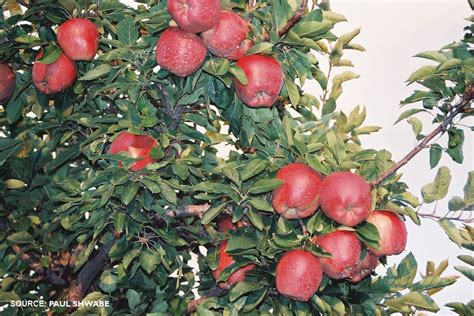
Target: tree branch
[
  {"x": 34, "y": 264},
  {"x": 88, "y": 273},
  {"x": 167, "y": 108},
  {"x": 451, "y": 218},
  {"x": 291, "y": 22},
  {"x": 189, "y": 211},
  {"x": 215, "y": 292},
  {"x": 457, "y": 109}
]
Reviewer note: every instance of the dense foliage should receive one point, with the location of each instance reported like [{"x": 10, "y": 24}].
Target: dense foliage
[{"x": 66, "y": 204}]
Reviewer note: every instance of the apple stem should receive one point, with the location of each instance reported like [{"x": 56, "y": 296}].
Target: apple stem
[
  {"x": 425, "y": 143},
  {"x": 303, "y": 227}
]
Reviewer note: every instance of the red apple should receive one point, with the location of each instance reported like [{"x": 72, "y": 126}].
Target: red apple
[
  {"x": 226, "y": 260},
  {"x": 364, "y": 267},
  {"x": 55, "y": 77},
  {"x": 134, "y": 146},
  {"x": 392, "y": 230},
  {"x": 344, "y": 248},
  {"x": 224, "y": 224},
  {"x": 195, "y": 16},
  {"x": 7, "y": 82},
  {"x": 298, "y": 274},
  {"x": 265, "y": 79},
  {"x": 228, "y": 38},
  {"x": 298, "y": 196},
  {"x": 78, "y": 39},
  {"x": 346, "y": 198},
  {"x": 180, "y": 52}
]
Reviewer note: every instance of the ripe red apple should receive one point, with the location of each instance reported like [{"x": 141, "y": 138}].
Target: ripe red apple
[
  {"x": 55, "y": 77},
  {"x": 225, "y": 260},
  {"x": 364, "y": 267},
  {"x": 195, "y": 16},
  {"x": 265, "y": 79},
  {"x": 78, "y": 39},
  {"x": 7, "y": 82},
  {"x": 298, "y": 274},
  {"x": 346, "y": 198},
  {"x": 180, "y": 52},
  {"x": 392, "y": 230},
  {"x": 298, "y": 196},
  {"x": 228, "y": 38},
  {"x": 344, "y": 248},
  {"x": 134, "y": 146}
]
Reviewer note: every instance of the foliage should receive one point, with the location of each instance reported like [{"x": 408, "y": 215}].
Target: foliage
[{"x": 62, "y": 196}]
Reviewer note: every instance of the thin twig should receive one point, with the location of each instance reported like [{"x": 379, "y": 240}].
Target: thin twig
[
  {"x": 457, "y": 109},
  {"x": 451, "y": 218}
]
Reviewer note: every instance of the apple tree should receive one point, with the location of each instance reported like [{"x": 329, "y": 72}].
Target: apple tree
[{"x": 114, "y": 186}]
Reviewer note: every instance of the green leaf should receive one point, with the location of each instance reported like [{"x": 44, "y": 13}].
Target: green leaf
[
  {"x": 468, "y": 272},
  {"x": 408, "y": 113},
  {"x": 415, "y": 299},
  {"x": 242, "y": 288},
  {"x": 435, "y": 155},
  {"x": 312, "y": 29},
  {"x": 212, "y": 213},
  {"x": 293, "y": 92},
  {"x": 260, "y": 48},
  {"x": 433, "y": 55},
  {"x": 134, "y": 298},
  {"x": 450, "y": 64},
  {"x": 50, "y": 55},
  {"x": 467, "y": 259},
  {"x": 406, "y": 271},
  {"x": 217, "y": 67},
  {"x": 253, "y": 168},
  {"x": 127, "y": 31},
  {"x": 97, "y": 72},
  {"x": 369, "y": 234},
  {"x": 20, "y": 237},
  {"x": 432, "y": 282},
  {"x": 239, "y": 74},
  {"x": 451, "y": 230},
  {"x": 129, "y": 191},
  {"x": 338, "y": 80},
  {"x": 255, "y": 219},
  {"x": 456, "y": 203},
  {"x": 469, "y": 189},
  {"x": 261, "y": 204},
  {"x": 168, "y": 193},
  {"x": 108, "y": 281},
  {"x": 149, "y": 260},
  {"x": 416, "y": 125},
  {"x": 438, "y": 189},
  {"x": 421, "y": 73},
  {"x": 265, "y": 185}
]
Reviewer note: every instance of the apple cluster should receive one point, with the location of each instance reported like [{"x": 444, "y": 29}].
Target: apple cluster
[
  {"x": 78, "y": 39},
  {"x": 345, "y": 198},
  {"x": 202, "y": 26}
]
